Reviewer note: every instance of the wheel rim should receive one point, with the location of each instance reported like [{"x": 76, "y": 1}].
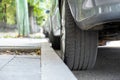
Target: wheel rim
[{"x": 63, "y": 32}]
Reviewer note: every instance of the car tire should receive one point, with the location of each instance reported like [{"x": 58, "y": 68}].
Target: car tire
[
  {"x": 79, "y": 50},
  {"x": 46, "y": 33},
  {"x": 55, "y": 40}
]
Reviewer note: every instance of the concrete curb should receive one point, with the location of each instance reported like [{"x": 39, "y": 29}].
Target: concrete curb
[{"x": 52, "y": 67}]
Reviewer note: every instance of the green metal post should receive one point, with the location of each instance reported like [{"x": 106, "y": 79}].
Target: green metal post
[{"x": 22, "y": 17}]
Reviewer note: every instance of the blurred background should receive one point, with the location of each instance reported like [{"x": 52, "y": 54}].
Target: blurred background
[{"x": 23, "y": 18}]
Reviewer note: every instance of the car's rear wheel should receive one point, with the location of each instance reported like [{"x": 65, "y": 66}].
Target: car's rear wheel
[{"x": 79, "y": 48}]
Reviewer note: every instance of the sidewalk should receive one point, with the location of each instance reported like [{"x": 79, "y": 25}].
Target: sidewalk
[
  {"x": 20, "y": 68},
  {"x": 21, "y": 43},
  {"x": 23, "y": 67},
  {"x": 48, "y": 66}
]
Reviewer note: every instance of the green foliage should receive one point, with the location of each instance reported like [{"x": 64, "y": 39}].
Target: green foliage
[
  {"x": 8, "y": 11},
  {"x": 1, "y": 16},
  {"x": 11, "y": 12},
  {"x": 40, "y": 7},
  {"x": 1, "y": 12},
  {"x": 50, "y": 5}
]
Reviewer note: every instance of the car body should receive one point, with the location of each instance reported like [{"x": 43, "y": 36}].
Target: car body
[
  {"x": 90, "y": 13},
  {"x": 56, "y": 22},
  {"x": 53, "y": 25},
  {"x": 53, "y": 21}
]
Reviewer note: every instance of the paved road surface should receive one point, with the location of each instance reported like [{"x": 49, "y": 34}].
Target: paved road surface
[{"x": 107, "y": 66}]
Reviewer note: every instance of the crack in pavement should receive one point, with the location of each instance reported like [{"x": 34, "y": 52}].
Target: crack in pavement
[{"x": 7, "y": 63}]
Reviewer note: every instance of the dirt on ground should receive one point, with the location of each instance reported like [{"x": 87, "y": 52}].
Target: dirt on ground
[{"x": 20, "y": 52}]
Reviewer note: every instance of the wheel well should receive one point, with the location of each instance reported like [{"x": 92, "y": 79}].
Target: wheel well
[
  {"x": 109, "y": 32},
  {"x": 60, "y": 6}
]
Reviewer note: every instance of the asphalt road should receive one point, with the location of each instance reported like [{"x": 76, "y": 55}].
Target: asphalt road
[{"x": 107, "y": 66}]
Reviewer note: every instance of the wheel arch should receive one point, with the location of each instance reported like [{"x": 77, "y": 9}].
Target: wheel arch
[{"x": 73, "y": 7}]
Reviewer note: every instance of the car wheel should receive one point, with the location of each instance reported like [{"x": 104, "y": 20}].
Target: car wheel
[
  {"x": 46, "y": 33},
  {"x": 79, "y": 48},
  {"x": 55, "y": 40}
]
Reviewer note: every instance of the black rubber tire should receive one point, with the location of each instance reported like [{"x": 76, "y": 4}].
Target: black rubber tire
[
  {"x": 46, "y": 34},
  {"x": 80, "y": 46},
  {"x": 55, "y": 40}
]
